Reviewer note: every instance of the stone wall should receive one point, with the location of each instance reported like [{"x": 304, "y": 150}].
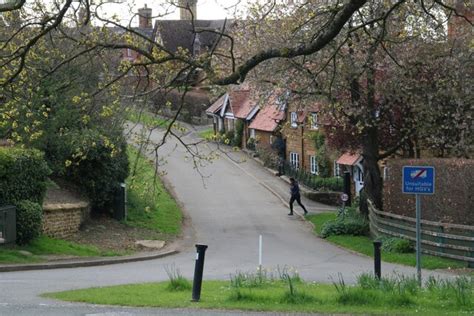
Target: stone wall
[{"x": 64, "y": 219}]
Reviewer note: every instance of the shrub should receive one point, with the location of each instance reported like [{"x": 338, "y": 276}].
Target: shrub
[
  {"x": 239, "y": 131},
  {"x": 23, "y": 175},
  {"x": 251, "y": 143},
  {"x": 29, "y": 216},
  {"x": 177, "y": 281},
  {"x": 398, "y": 245},
  {"x": 350, "y": 223},
  {"x": 327, "y": 184},
  {"x": 95, "y": 161}
]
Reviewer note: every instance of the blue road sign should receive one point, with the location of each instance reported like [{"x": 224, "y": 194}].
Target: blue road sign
[{"x": 418, "y": 180}]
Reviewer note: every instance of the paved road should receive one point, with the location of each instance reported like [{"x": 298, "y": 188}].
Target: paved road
[{"x": 229, "y": 205}]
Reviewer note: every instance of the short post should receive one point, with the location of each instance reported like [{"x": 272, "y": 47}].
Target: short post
[
  {"x": 377, "y": 259},
  {"x": 347, "y": 186},
  {"x": 260, "y": 249},
  {"x": 198, "y": 270}
]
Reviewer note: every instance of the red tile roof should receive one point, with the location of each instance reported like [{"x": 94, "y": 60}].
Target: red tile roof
[
  {"x": 267, "y": 119},
  {"x": 349, "y": 159},
  {"x": 217, "y": 105},
  {"x": 241, "y": 103}
]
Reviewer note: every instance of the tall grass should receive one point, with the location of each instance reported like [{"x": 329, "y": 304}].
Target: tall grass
[{"x": 176, "y": 280}]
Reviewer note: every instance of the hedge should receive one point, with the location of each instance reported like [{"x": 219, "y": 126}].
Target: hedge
[{"x": 23, "y": 175}]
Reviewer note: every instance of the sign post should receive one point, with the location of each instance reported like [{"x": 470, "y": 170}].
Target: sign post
[{"x": 418, "y": 180}]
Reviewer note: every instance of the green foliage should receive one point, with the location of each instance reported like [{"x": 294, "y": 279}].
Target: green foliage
[
  {"x": 327, "y": 184},
  {"x": 94, "y": 161},
  {"x": 399, "y": 245},
  {"x": 459, "y": 290},
  {"x": 251, "y": 143},
  {"x": 321, "y": 154},
  {"x": 239, "y": 131},
  {"x": 23, "y": 175},
  {"x": 29, "y": 216},
  {"x": 149, "y": 204},
  {"x": 347, "y": 223},
  {"x": 176, "y": 280}
]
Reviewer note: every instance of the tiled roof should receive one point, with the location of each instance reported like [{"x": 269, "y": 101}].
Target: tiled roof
[
  {"x": 349, "y": 159},
  {"x": 241, "y": 103},
  {"x": 180, "y": 33},
  {"x": 217, "y": 105},
  {"x": 267, "y": 119}
]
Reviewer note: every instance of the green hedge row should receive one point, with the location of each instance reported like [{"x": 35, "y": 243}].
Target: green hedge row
[{"x": 23, "y": 175}]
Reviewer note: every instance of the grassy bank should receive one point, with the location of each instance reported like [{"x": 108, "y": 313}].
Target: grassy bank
[
  {"x": 399, "y": 295},
  {"x": 40, "y": 248},
  {"x": 364, "y": 245},
  {"x": 149, "y": 203},
  {"x": 207, "y": 134},
  {"x": 145, "y": 118}
]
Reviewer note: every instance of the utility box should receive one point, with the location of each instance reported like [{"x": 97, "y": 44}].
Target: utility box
[{"x": 7, "y": 224}]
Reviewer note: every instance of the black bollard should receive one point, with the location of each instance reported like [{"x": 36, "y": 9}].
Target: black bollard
[
  {"x": 377, "y": 259},
  {"x": 198, "y": 269},
  {"x": 347, "y": 186}
]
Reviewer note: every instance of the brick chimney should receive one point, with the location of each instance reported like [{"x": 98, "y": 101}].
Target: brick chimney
[
  {"x": 188, "y": 9},
  {"x": 144, "y": 18}
]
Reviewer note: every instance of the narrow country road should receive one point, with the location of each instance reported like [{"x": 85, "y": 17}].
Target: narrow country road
[{"x": 229, "y": 205}]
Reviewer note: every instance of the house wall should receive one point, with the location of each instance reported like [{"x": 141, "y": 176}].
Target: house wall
[
  {"x": 263, "y": 142},
  {"x": 299, "y": 140}
]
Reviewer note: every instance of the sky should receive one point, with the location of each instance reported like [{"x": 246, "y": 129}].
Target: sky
[{"x": 206, "y": 9}]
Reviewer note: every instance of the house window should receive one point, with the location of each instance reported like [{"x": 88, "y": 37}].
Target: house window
[
  {"x": 313, "y": 165},
  {"x": 129, "y": 52},
  {"x": 337, "y": 169},
  {"x": 252, "y": 133},
  {"x": 295, "y": 160},
  {"x": 271, "y": 139},
  {"x": 314, "y": 120},
  {"x": 293, "y": 118}
]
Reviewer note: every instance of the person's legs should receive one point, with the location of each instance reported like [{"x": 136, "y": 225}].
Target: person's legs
[
  {"x": 292, "y": 199},
  {"x": 298, "y": 199}
]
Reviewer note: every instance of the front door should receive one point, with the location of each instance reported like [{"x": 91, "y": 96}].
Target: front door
[{"x": 358, "y": 179}]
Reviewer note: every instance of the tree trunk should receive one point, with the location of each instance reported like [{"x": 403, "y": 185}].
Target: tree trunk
[{"x": 373, "y": 184}]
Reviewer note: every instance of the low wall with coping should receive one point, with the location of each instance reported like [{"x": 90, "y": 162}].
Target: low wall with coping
[{"x": 64, "y": 219}]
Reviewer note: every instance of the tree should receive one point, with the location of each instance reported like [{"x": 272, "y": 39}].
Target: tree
[{"x": 311, "y": 40}]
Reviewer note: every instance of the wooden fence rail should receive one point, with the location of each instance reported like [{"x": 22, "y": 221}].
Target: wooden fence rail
[{"x": 439, "y": 239}]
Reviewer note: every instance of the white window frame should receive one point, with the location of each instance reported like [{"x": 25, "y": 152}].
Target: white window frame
[
  {"x": 337, "y": 169},
  {"x": 295, "y": 160},
  {"x": 252, "y": 133},
  {"x": 314, "y": 120},
  {"x": 271, "y": 139},
  {"x": 313, "y": 163},
  {"x": 294, "y": 119}
]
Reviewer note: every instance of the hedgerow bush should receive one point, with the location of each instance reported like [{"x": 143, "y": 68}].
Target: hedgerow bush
[
  {"x": 23, "y": 175},
  {"x": 96, "y": 161},
  {"x": 29, "y": 217},
  {"x": 349, "y": 223},
  {"x": 398, "y": 245}
]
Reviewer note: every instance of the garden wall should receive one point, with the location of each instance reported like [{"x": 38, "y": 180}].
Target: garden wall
[
  {"x": 64, "y": 219},
  {"x": 453, "y": 201}
]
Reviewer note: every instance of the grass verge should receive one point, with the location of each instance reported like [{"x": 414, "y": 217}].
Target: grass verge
[
  {"x": 145, "y": 118},
  {"x": 45, "y": 246},
  {"x": 364, "y": 245},
  {"x": 389, "y": 296},
  {"x": 149, "y": 203},
  {"x": 207, "y": 134}
]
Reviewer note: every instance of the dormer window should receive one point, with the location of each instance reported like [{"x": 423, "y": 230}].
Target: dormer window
[
  {"x": 314, "y": 120},
  {"x": 294, "y": 119}
]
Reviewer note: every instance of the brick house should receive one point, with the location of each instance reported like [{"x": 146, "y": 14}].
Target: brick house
[
  {"x": 299, "y": 131},
  {"x": 235, "y": 105},
  {"x": 265, "y": 127}
]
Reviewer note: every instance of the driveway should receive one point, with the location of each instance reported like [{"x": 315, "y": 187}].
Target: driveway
[{"x": 228, "y": 205}]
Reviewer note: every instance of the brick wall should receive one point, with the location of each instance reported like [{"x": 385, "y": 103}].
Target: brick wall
[
  {"x": 452, "y": 202},
  {"x": 263, "y": 140},
  {"x": 62, "y": 220},
  {"x": 299, "y": 141}
]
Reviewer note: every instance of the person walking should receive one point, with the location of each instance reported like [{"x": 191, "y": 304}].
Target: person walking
[{"x": 295, "y": 196}]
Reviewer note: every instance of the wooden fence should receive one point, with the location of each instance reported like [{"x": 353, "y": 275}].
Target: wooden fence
[{"x": 439, "y": 239}]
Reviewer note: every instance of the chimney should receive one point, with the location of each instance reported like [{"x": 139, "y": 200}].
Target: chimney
[
  {"x": 188, "y": 9},
  {"x": 144, "y": 18}
]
